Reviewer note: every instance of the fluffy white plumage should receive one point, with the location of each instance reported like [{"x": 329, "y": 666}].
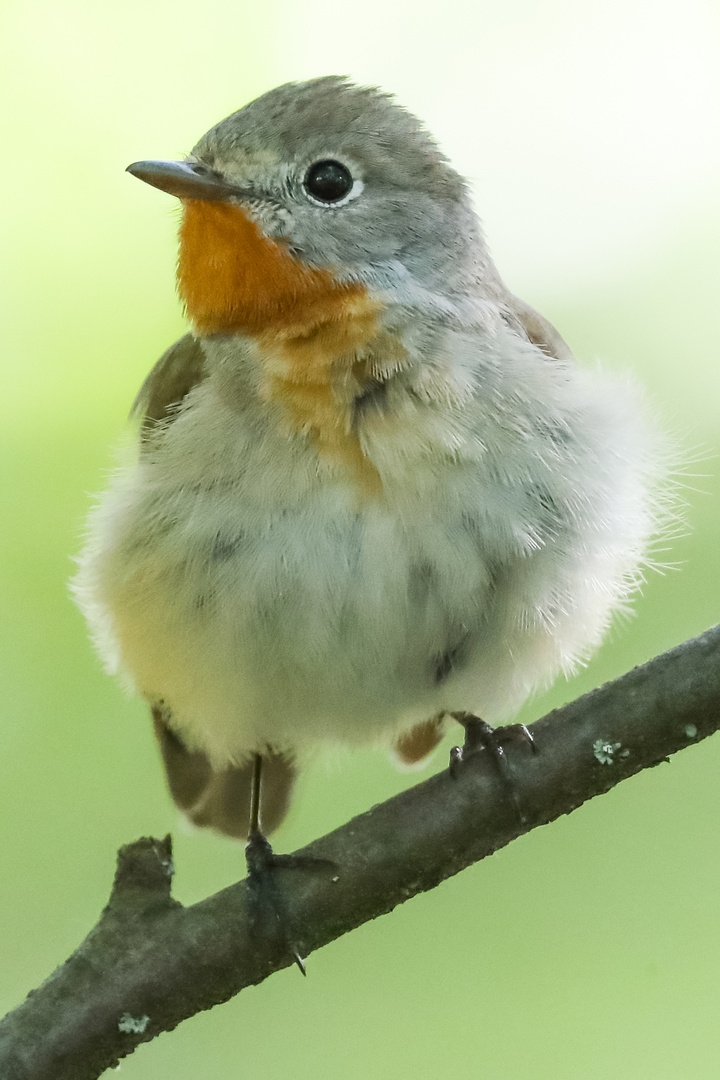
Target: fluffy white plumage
[
  {"x": 234, "y": 573},
  {"x": 229, "y": 575}
]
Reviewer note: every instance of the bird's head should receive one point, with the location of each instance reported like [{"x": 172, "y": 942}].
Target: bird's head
[{"x": 315, "y": 192}]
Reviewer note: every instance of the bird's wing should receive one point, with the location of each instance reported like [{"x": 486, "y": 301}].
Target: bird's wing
[
  {"x": 221, "y": 799},
  {"x": 179, "y": 368},
  {"x": 415, "y": 745},
  {"x": 536, "y": 328},
  {"x": 216, "y": 799}
]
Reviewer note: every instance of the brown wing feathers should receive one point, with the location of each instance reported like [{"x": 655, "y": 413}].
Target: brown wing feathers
[{"x": 214, "y": 799}]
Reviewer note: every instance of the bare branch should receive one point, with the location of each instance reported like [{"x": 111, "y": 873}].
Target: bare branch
[{"x": 151, "y": 963}]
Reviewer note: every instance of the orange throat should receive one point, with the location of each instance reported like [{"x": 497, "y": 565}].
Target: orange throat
[
  {"x": 312, "y": 331},
  {"x": 232, "y": 279}
]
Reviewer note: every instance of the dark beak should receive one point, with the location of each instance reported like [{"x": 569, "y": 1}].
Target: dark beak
[{"x": 185, "y": 179}]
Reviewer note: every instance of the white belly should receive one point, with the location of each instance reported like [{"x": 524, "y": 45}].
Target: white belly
[
  {"x": 321, "y": 623},
  {"x": 264, "y": 604}
]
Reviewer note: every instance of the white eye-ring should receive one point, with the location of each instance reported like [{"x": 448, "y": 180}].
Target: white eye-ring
[{"x": 330, "y": 183}]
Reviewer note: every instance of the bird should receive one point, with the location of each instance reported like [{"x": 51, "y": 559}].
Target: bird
[{"x": 373, "y": 490}]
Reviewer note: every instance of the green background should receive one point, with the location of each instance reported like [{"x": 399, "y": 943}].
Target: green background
[{"x": 589, "y": 949}]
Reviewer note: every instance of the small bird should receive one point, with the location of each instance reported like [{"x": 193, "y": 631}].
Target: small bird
[{"x": 373, "y": 488}]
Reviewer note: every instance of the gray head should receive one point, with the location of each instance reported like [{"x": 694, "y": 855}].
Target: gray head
[{"x": 348, "y": 179}]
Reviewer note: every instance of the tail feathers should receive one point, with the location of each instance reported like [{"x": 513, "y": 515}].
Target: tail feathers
[
  {"x": 220, "y": 799},
  {"x": 415, "y": 745}
]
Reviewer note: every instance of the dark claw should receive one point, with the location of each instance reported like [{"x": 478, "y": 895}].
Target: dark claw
[
  {"x": 456, "y": 756},
  {"x": 267, "y": 910},
  {"x": 479, "y": 735},
  {"x": 526, "y": 734}
]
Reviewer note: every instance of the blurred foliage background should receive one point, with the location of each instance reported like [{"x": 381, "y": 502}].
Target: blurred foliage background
[{"x": 588, "y": 949}]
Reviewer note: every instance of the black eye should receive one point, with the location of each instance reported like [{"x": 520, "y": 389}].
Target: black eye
[{"x": 328, "y": 181}]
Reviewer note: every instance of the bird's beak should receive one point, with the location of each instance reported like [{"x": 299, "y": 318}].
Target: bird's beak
[{"x": 186, "y": 180}]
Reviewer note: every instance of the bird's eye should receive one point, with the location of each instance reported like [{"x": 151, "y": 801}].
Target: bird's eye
[{"x": 328, "y": 182}]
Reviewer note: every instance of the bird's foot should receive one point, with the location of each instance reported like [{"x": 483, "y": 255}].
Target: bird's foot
[
  {"x": 479, "y": 735},
  {"x": 267, "y": 908}
]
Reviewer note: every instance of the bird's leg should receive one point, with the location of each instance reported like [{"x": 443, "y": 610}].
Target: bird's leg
[
  {"x": 254, "y": 833},
  {"x": 479, "y": 735},
  {"x": 267, "y": 909}
]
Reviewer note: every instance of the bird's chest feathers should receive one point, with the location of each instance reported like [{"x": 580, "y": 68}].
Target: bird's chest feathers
[{"x": 317, "y": 340}]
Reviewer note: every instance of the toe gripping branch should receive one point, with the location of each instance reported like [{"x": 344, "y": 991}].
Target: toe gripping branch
[
  {"x": 268, "y": 914},
  {"x": 479, "y": 735}
]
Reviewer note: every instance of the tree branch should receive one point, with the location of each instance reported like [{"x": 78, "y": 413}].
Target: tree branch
[{"x": 150, "y": 963}]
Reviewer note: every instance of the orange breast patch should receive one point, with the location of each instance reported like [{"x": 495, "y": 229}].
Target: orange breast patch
[
  {"x": 312, "y": 331},
  {"x": 233, "y": 279}
]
